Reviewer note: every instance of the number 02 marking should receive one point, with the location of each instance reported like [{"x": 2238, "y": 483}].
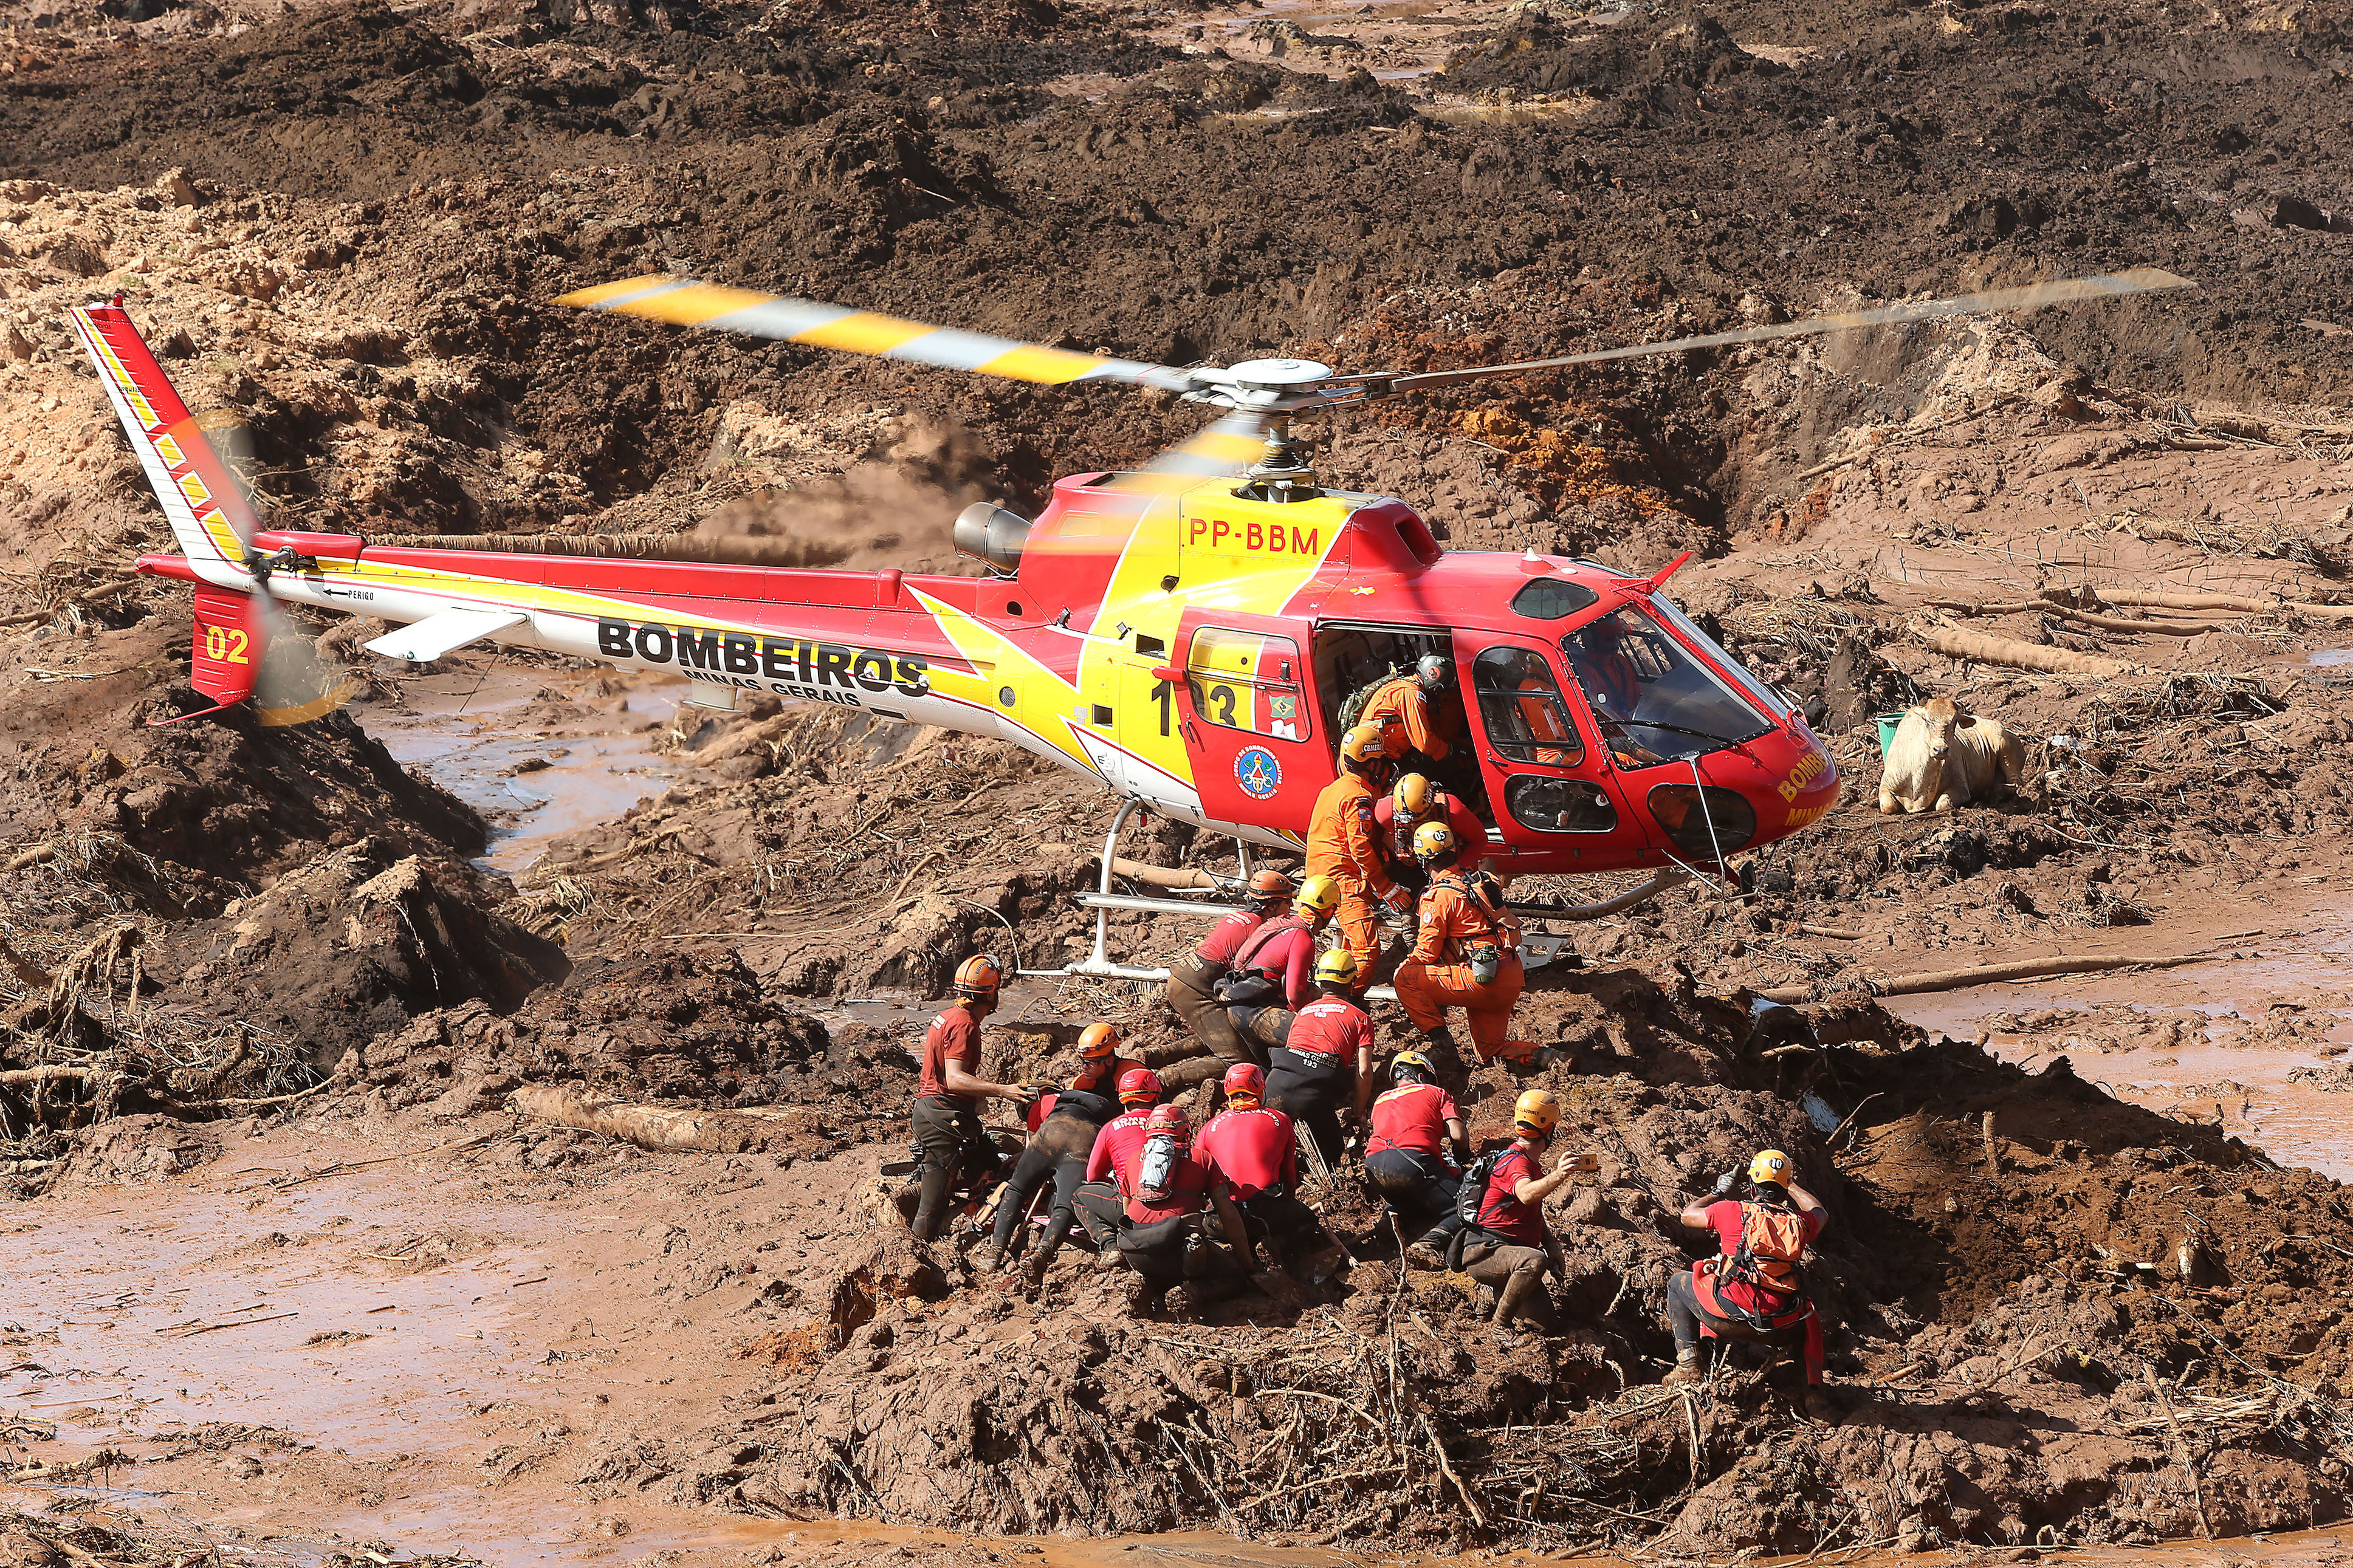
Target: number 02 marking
[{"x": 227, "y": 644}]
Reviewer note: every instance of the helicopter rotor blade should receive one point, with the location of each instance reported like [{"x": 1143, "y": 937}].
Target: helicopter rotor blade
[
  {"x": 2110, "y": 285},
  {"x": 685, "y": 302},
  {"x": 220, "y": 448}
]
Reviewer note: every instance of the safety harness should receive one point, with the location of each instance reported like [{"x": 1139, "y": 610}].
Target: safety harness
[{"x": 1772, "y": 1240}]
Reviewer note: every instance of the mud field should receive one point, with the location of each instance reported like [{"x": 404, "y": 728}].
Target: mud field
[{"x": 289, "y": 1279}]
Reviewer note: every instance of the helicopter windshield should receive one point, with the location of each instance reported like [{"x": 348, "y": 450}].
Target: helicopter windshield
[{"x": 1654, "y": 701}]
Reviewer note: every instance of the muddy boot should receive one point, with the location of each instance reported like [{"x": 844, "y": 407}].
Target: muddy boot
[
  {"x": 1514, "y": 1298},
  {"x": 1426, "y": 1257},
  {"x": 1688, "y": 1370},
  {"x": 1110, "y": 1260},
  {"x": 1146, "y": 1300},
  {"x": 1439, "y": 1046},
  {"x": 907, "y": 1199},
  {"x": 991, "y": 1257},
  {"x": 1819, "y": 1406}
]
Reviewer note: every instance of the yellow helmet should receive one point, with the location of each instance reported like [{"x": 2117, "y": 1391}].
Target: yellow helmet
[
  {"x": 1432, "y": 839},
  {"x": 1538, "y": 1111},
  {"x": 1771, "y": 1165},
  {"x": 1411, "y": 1061},
  {"x": 1363, "y": 744},
  {"x": 1318, "y": 895},
  {"x": 1337, "y": 967},
  {"x": 1415, "y": 796}
]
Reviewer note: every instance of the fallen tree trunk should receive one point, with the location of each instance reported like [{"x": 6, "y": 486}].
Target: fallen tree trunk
[
  {"x": 17, "y": 1078},
  {"x": 2164, "y": 601},
  {"x": 2081, "y": 617},
  {"x": 2018, "y": 655},
  {"x": 1158, "y": 876},
  {"x": 646, "y": 1126},
  {"x": 1989, "y": 973}
]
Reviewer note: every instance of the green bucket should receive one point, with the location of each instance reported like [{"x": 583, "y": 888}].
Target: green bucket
[{"x": 1888, "y": 723}]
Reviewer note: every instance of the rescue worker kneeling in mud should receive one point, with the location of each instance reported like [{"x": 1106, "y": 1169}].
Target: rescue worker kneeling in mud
[
  {"x": 1466, "y": 955},
  {"x": 950, "y": 1141},
  {"x": 1174, "y": 1217},
  {"x": 1505, "y": 1242},
  {"x": 1752, "y": 1288},
  {"x": 1274, "y": 972},
  {"x": 1416, "y": 1130},
  {"x": 1192, "y": 988},
  {"x": 1062, "y": 1129},
  {"x": 1401, "y": 812},
  {"x": 1255, "y": 1152},
  {"x": 1097, "y": 1202},
  {"x": 1322, "y": 1059}
]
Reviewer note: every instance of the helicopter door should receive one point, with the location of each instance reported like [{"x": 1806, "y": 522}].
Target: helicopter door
[
  {"x": 1545, "y": 776},
  {"x": 1249, "y": 709}
]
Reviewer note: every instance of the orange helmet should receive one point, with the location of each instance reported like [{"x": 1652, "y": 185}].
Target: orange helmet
[
  {"x": 1245, "y": 1080},
  {"x": 1269, "y": 888},
  {"x": 1099, "y": 1041},
  {"x": 1139, "y": 1086},
  {"x": 977, "y": 977}
]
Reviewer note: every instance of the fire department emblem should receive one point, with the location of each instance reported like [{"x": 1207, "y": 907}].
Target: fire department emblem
[{"x": 1258, "y": 772}]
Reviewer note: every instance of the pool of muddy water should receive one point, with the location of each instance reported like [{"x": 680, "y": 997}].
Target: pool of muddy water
[
  {"x": 532, "y": 781},
  {"x": 2301, "y": 968}
]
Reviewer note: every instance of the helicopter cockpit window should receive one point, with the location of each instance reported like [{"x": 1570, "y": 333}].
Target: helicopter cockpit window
[
  {"x": 1248, "y": 681},
  {"x": 1655, "y": 703},
  {"x": 1550, "y": 599},
  {"x": 1520, "y": 706}
]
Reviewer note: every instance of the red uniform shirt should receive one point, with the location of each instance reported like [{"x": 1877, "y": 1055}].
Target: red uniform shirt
[
  {"x": 1729, "y": 1221},
  {"x": 1226, "y": 938},
  {"x": 1412, "y": 1116},
  {"x": 954, "y": 1037},
  {"x": 1253, "y": 1150},
  {"x": 1105, "y": 1084},
  {"x": 1284, "y": 951},
  {"x": 1188, "y": 1193},
  {"x": 1331, "y": 1026},
  {"x": 1505, "y": 1215},
  {"x": 1116, "y": 1146}
]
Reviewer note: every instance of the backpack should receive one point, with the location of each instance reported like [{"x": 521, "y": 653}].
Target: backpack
[
  {"x": 1352, "y": 707},
  {"x": 1470, "y": 1197},
  {"x": 1156, "y": 1171},
  {"x": 1772, "y": 1240}
]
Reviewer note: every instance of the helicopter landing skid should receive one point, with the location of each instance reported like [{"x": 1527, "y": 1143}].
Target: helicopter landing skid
[{"x": 1538, "y": 949}]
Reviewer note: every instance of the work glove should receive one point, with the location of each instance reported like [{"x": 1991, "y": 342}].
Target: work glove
[
  {"x": 1725, "y": 1183},
  {"x": 1399, "y": 902}
]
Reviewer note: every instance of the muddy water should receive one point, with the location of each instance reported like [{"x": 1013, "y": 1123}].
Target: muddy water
[
  {"x": 2307, "y": 961},
  {"x": 461, "y": 727}
]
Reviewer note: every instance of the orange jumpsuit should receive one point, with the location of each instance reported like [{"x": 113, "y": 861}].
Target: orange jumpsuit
[
  {"x": 1407, "y": 722},
  {"x": 1436, "y": 975},
  {"x": 1344, "y": 844}
]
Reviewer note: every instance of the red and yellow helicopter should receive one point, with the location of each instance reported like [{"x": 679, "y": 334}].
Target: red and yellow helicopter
[{"x": 1185, "y": 635}]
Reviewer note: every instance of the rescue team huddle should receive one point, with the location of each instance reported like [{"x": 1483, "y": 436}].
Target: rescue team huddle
[{"x": 1198, "y": 1211}]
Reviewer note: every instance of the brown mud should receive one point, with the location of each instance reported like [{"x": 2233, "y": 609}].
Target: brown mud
[{"x": 2088, "y": 1278}]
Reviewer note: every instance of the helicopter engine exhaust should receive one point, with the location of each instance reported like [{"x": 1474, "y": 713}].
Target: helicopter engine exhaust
[{"x": 988, "y": 533}]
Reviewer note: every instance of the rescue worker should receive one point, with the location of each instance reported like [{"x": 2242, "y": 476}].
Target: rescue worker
[
  {"x": 1274, "y": 972},
  {"x": 1063, "y": 1131},
  {"x": 1509, "y": 1247},
  {"x": 1414, "y": 1127},
  {"x": 1419, "y": 715},
  {"x": 1325, "y": 1064},
  {"x": 1344, "y": 844},
  {"x": 1465, "y": 956},
  {"x": 1254, "y": 1153},
  {"x": 1096, "y": 1201},
  {"x": 1192, "y": 980},
  {"x": 949, "y": 1138},
  {"x": 1166, "y": 1197},
  {"x": 1414, "y": 801},
  {"x": 1752, "y": 1288}
]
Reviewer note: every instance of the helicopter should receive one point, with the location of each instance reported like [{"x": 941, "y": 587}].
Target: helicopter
[{"x": 1186, "y": 635}]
